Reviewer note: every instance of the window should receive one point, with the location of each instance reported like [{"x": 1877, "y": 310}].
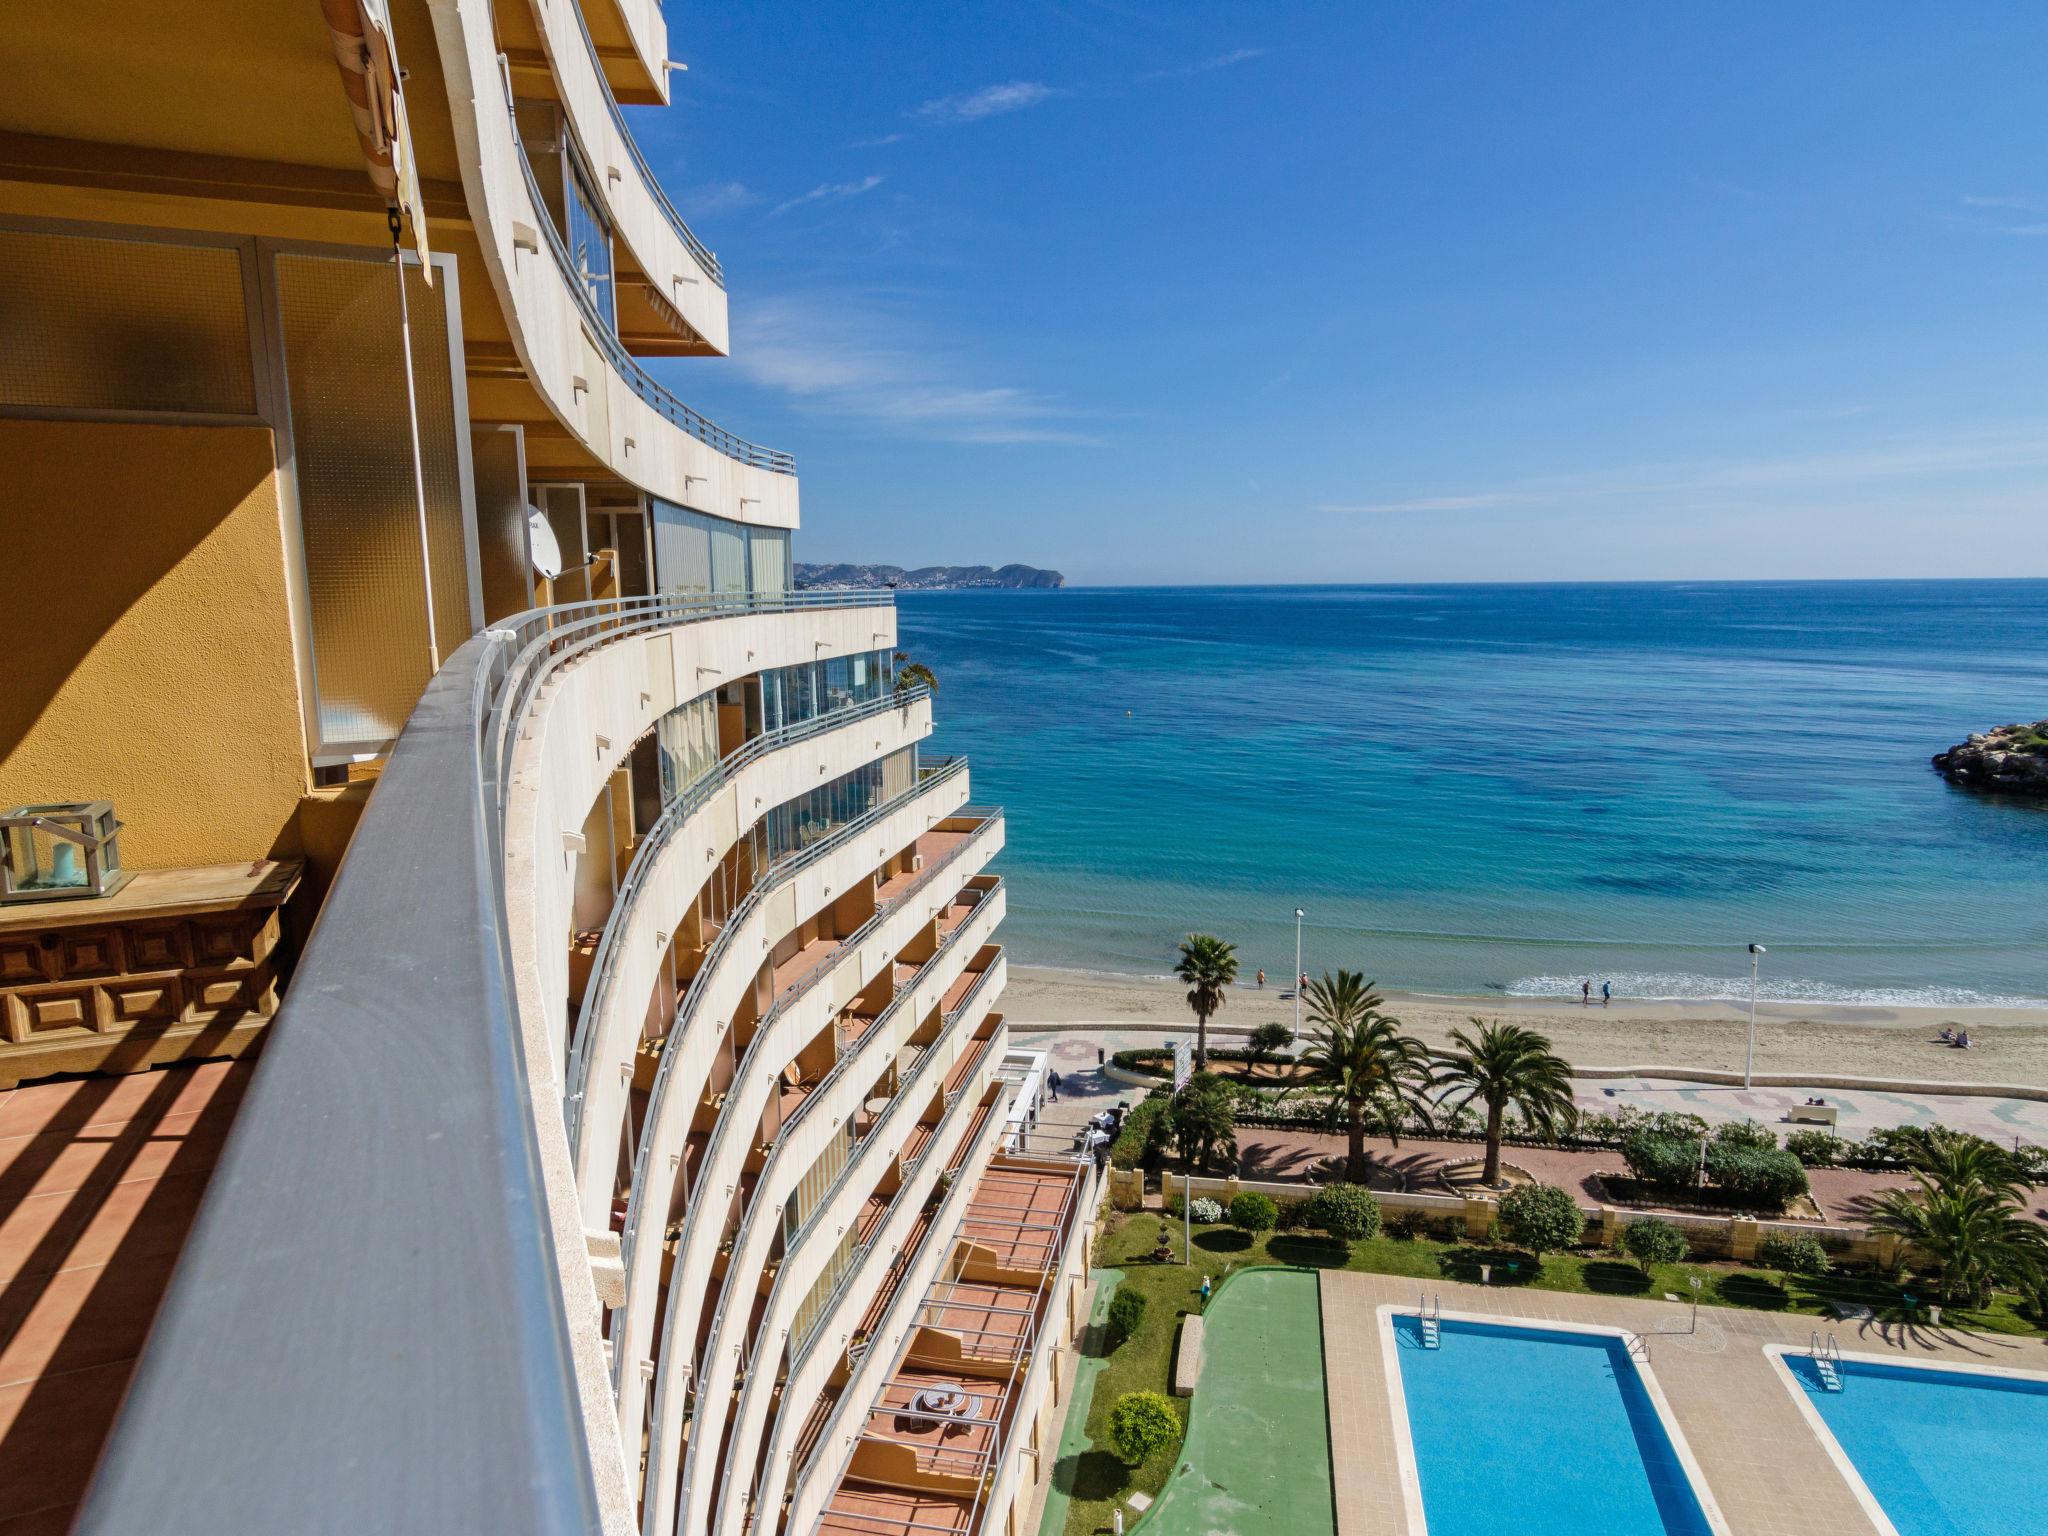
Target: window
[{"x": 589, "y": 238}]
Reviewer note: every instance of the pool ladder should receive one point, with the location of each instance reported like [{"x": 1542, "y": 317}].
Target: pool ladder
[
  {"x": 1431, "y": 1311},
  {"x": 1827, "y": 1361}
]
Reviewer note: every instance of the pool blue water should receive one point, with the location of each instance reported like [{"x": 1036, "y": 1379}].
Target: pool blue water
[
  {"x": 1476, "y": 789},
  {"x": 1539, "y": 1432},
  {"x": 1943, "y": 1453}
]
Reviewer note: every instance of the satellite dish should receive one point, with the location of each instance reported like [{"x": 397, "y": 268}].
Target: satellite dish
[{"x": 541, "y": 544}]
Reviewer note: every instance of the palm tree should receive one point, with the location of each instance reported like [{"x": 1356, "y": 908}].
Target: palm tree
[
  {"x": 1362, "y": 1060},
  {"x": 1205, "y": 1121},
  {"x": 1976, "y": 1236},
  {"x": 1958, "y": 1160},
  {"x": 1506, "y": 1065},
  {"x": 911, "y": 674},
  {"x": 1207, "y": 965}
]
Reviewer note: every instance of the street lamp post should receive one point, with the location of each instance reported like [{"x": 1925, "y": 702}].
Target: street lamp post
[
  {"x": 1756, "y": 953},
  {"x": 1298, "y": 915}
]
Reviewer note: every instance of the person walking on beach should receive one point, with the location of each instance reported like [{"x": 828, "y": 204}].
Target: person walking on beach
[
  {"x": 1053, "y": 1082},
  {"x": 1606, "y": 994},
  {"x": 1586, "y": 993},
  {"x": 1262, "y": 981}
]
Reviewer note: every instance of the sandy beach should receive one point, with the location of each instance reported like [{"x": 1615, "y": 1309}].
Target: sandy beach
[{"x": 2009, "y": 1046}]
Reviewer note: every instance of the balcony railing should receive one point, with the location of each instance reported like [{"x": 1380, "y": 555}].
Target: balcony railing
[
  {"x": 605, "y": 963},
  {"x": 691, "y": 243},
  {"x": 734, "y": 1286},
  {"x": 366, "y": 1329},
  {"x": 776, "y": 875},
  {"x": 606, "y": 336}
]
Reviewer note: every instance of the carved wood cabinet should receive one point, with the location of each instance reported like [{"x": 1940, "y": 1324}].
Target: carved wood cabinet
[{"x": 177, "y": 964}]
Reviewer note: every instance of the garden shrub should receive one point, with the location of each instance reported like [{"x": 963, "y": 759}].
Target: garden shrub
[
  {"x": 1766, "y": 1180},
  {"x": 1540, "y": 1218},
  {"x": 1141, "y": 1424},
  {"x": 1293, "y": 1215},
  {"x": 1662, "y": 1159},
  {"x": 1202, "y": 1208},
  {"x": 1407, "y": 1224},
  {"x": 1795, "y": 1253},
  {"x": 1818, "y": 1149},
  {"x": 1126, "y": 1312},
  {"x": 1653, "y": 1241},
  {"x": 1253, "y": 1212},
  {"x": 1134, "y": 1142},
  {"x": 1746, "y": 1133},
  {"x": 1344, "y": 1211}
]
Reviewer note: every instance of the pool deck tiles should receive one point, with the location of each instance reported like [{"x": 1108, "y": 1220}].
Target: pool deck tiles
[{"x": 1766, "y": 1469}]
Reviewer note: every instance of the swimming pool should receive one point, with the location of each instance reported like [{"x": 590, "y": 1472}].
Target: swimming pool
[
  {"x": 1933, "y": 1452},
  {"x": 1550, "y": 1431}
]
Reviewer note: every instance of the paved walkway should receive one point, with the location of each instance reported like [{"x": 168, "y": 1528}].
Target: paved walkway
[
  {"x": 1860, "y": 1110},
  {"x": 1256, "y": 1460},
  {"x": 1761, "y": 1460},
  {"x": 1074, "y": 1438}
]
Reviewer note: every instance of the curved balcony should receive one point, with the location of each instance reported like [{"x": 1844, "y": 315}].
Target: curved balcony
[
  {"x": 663, "y": 880},
  {"x": 701, "y": 1030},
  {"x": 680, "y": 269},
  {"x": 794, "y": 1152},
  {"x": 635, "y": 51},
  {"x": 968, "y": 1063},
  {"x": 584, "y": 376},
  {"x": 384, "y": 1312},
  {"x": 803, "y": 1444}
]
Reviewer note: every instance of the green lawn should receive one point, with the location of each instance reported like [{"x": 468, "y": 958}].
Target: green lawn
[{"x": 1095, "y": 1479}]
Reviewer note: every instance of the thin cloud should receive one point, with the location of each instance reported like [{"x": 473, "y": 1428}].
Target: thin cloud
[
  {"x": 989, "y": 101},
  {"x": 881, "y": 143},
  {"x": 2019, "y": 204},
  {"x": 1423, "y": 504},
  {"x": 1204, "y": 66},
  {"x": 720, "y": 197},
  {"x": 879, "y": 370},
  {"x": 829, "y": 192},
  {"x": 2002, "y": 450}
]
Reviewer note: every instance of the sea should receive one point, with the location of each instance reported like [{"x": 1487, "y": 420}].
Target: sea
[{"x": 1512, "y": 789}]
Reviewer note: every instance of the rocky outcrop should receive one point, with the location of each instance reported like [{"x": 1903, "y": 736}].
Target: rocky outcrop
[
  {"x": 2011, "y": 760},
  {"x": 928, "y": 578}
]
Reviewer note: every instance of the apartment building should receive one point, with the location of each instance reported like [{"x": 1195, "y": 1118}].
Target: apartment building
[{"x": 580, "y": 980}]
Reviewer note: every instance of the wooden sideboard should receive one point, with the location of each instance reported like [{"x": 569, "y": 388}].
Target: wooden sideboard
[{"x": 177, "y": 964}]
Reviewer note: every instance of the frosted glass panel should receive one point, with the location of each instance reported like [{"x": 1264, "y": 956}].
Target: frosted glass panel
[
  {"x": 728, "y": 557},
  {"x": 89, "y": 324},
  {"x": 682, "y": 549},
  {"x": 353, "y": 452},
  {"x": 768, "y": 549}
]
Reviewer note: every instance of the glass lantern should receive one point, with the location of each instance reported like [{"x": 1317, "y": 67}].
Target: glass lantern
[{"x": 53, "y": 852}]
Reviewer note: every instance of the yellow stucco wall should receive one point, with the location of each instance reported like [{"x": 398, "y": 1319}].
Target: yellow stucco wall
[{"x": 145, "y": 641}]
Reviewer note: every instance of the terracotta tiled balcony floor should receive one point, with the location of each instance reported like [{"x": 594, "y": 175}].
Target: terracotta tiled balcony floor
[{"x": 99, "y": 1181}]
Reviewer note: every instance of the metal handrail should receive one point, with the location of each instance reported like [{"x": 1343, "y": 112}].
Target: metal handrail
[
  {"x": 696, "y": 247},
  {"x": 773, "y": 877},
  {"x": 784, "y": 1000},
  {"x": 983, "y": 1494},
  {"x": 674, "y": 816},
  {"x": 605, "y": 334},
  {"x": 944, "y": 1227},
  {"x": 905, "y": 1094},
  {"x": 443, "y": 1389}
]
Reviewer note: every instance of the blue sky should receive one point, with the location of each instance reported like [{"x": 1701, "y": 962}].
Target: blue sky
[{"x": 1391, "y": 292}]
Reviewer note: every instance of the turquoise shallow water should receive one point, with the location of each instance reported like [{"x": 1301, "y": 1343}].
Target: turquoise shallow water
[
  {"x": 1944, "y": 1453},
  {"x": 1509, "y": 788},
  {"x": 1554, "y": 1427}
]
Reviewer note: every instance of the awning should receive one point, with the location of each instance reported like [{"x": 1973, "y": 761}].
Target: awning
[{"x": 368, "y": 59}]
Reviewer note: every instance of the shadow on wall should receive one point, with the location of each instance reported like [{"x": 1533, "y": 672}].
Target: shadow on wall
[{"x": 147, "y": 636}]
